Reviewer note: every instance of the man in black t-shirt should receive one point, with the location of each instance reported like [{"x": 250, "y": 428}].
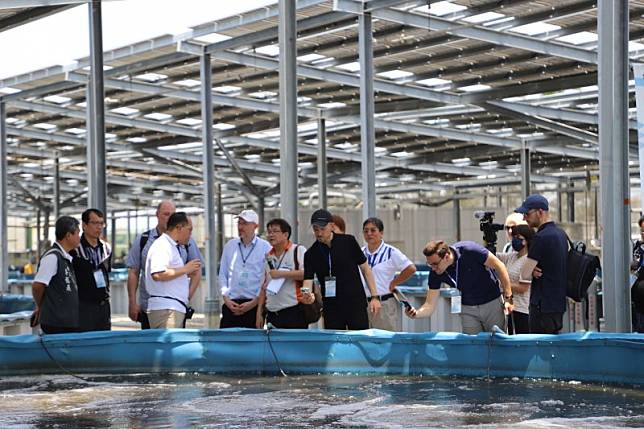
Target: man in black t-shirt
[
  {"x": 335, "y": 260},
  {"x": 547, "y": 263}
]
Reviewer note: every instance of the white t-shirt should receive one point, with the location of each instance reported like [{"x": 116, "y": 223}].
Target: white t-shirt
[
  {"x": 164, "y": 254},
  {"x": 49, "y": 266},
  {"x": 514, "y": 263},
  {"x": 385, "y": 262},
  {"x": 287, "y": 295}
]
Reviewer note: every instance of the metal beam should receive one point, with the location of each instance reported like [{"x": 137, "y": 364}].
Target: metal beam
[
  {"x": 322, "y": 167},
  {"x": 525, "y": 171},
  {"x": 29, "y": 15},
  {"x": 4, "y": 176},
  {"x": 473, "y": 32},
  {"x": 367, "y": 130},
  {"x": 288, "y": 113},
  {"x": 97, "y": 184},
  {"x": 613, "y": 165}
]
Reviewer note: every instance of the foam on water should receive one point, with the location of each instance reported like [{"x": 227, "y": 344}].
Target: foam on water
[{"x": 202, "y": 400}]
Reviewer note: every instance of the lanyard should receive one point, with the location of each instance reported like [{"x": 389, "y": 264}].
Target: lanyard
[
  {"x": 330, "y": 263},
  {"x": 454, "y": 280},
  {"x": 241, "y": 252},
  {"x": 279, "y": 263}
]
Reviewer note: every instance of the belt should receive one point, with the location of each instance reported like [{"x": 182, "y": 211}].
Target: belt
[{"x": 383, "y": 297}]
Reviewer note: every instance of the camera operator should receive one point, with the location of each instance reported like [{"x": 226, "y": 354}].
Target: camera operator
[
  {"x": 470, "y": 268},
  {"x": 488, "y": 228}
]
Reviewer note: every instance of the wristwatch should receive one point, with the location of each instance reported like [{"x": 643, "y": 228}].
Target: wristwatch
[{"x": 508, "y": 299}]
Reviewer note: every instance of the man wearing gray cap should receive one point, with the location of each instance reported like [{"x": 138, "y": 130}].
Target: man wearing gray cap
[
  {"x": 335, "y": 260},
  {"x": 547, "y": 257},
  {"x": 241, "y": 273}
]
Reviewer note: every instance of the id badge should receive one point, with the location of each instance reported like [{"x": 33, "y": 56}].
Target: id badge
[
  {"x": 329, "y": 287},
  {"x": 243, "y": 278},
  {"x": 456, "y": 304},
  {"x": 99, "y": 278}
]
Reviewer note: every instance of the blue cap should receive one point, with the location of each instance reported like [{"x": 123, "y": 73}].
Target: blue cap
[{"x": 535, "y": 201}]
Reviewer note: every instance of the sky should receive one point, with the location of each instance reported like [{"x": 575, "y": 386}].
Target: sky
[{"x": 62, "y": 38}]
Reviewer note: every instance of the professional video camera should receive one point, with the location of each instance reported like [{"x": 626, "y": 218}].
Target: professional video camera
[{"x": 489, "y": 229}]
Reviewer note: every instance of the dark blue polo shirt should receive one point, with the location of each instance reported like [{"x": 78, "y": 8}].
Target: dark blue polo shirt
[
  {"x": 478, "y": 284},
  {"x": 550, "y": 249}
]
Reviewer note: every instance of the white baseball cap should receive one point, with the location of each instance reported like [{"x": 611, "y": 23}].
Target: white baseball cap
[{"x": 249, "y": 216}]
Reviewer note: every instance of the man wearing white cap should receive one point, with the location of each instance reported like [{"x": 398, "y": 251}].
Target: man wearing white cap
[{"x": 241, "y": 273}]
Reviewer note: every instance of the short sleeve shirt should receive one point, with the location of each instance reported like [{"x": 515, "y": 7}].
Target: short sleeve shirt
[
  {"x": 385, "y": 262},
  {"x": 48, "y": 266},
  {"x": 288, "y": 293},
  {"x": 341, "y": 260},
  {"x": 549, "y": 248},
  {"x": 164, "y": 254},
  {"x": 477, "y": 283}
]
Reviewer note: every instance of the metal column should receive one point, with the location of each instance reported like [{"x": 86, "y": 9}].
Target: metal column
[
  {"x": 4, "y": 239},
  {"x": 113, "y": 233},
  {"x": 213, "y": 299},
  {"x": 288, "y": 112},
  {"x": 367, "y": 110},
  {"x": 56, "y": 187},
  {"x": 322, "y": 170},
  {"x": 457, "y": 215},
  {"x": 220, "y": 223},
  {"x": 613, "y": 163},
  {"x": 570, "y": 200},
  {"x": 525, "y": 171},
  {"x": 97, "y": 187}
]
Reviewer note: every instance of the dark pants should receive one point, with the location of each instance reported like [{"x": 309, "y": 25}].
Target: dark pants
[
  {"x": 638, "y": 321},
  {"x": 544, "y": 323},
  {"x": 287, "y": 318},
  {"x": 518, "y": 323},
  {"x": 142, "y": 318},
  {"x": 343, "y": 314},
  {"x": 230, "y": 320},
  {"x": 48, "y": 329},
  {"x": 94, "y": 316}
]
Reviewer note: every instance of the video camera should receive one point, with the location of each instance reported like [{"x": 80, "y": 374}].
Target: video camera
[{"x": 489, "y": 229}]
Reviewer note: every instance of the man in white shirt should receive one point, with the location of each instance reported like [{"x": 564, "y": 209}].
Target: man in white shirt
[
  {"x": 167, "y": 277},
  {"x": 385, "y": 261},
  {"x": 241, "y": 273}
]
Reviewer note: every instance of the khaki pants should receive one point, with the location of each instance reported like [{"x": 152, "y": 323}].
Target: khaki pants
[
  {"x": 165, "y": 319},
  {"x": 481, "y": 318},
  {"x": 389, "y": 318}
]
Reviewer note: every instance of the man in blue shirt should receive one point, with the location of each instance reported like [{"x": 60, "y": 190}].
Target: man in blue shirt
[
  {"x": 241, "y": 273},
  {"x": 472, "y": 269},
  {"x": 547, "y": 262}
]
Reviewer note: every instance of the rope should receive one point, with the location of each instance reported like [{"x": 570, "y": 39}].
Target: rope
[
  {"x": 269, "y": 328},
  {"x": 66, "y": 371}
]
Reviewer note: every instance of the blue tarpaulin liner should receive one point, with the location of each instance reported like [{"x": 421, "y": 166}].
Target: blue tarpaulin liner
[
  {"x": 597, "y": 357},
  {"x": 10, "y": 303}
]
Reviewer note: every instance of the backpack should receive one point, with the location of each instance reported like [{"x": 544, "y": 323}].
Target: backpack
[
  {"x": 582, "y": 268},
  {"x": 144, "y": 239}
]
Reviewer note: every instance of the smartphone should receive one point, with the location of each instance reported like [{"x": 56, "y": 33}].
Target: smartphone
[
  {"x": 401, "y": 298},
  {"x": 305, "y": 290}
]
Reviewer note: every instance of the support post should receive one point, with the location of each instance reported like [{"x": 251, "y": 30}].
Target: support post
[
  {"x": 457, "y": 215},
  {"x": 287, "y": 31},
  {"x": 4, "y": 239},
  {"x": 367, "y": 110},
  {"x": 570, "y": 200},
  {"x": 261, "y": 213},
  {"x": 322, "y": 170},
  {"x": 525, "y": 171},
  {"x": 213, "y": 299},
  {"x": 56, "y": 187},
  {"x": 113, "y": 233},
  {"x": 613, "y": 162},
  {"x": 220, "y": 223},
  {"x": 97, "y": 185}
]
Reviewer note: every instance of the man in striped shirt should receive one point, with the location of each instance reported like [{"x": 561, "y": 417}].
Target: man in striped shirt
[{"x": 385, "y": 261}]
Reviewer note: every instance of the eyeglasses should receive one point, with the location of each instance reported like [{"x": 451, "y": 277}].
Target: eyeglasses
[
  {"x": 435, "y": 264},
  {"x": 96, "y": 223},
  {"x": 508, "y": 228},
  {"x": 273, "y": 231}
]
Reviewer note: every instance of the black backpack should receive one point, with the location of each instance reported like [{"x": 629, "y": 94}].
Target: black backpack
[{"x": 582, "y": 268}]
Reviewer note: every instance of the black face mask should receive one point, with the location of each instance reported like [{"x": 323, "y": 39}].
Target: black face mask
[{"x": 517, "y": 243}]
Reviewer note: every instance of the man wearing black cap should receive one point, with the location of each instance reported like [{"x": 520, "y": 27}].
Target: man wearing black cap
[
  {"x": 335, "y": 260},
  {"x": 546, "y": 262}
]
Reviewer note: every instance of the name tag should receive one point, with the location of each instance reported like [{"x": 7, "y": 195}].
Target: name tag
[
  {"x": 99, "y": 278},
  {"x": 455, "y": 307},
  {"x": 329, "y": 287},
  {"x": 243, "y": 279}
]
